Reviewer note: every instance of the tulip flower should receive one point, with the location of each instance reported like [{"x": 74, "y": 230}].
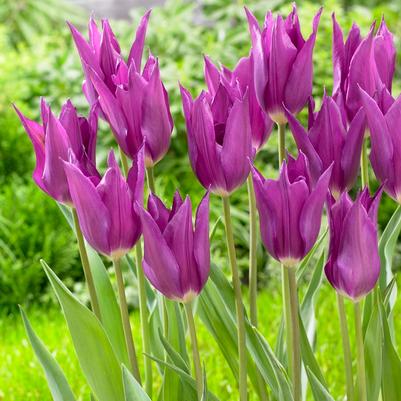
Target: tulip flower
[
  {"x": 54, "y": 140},
  {"x": 290, "y": 209},
  {"x": 368, "y": 62},
  {"x": 219, "y": 138},
  {"x": 353, "y": 266},
  {"x": 236, "y": 83},
  {"x": 282, "y": 60},
  {"x": 106, "y": 209},
  {"x": 177, "y": 255},
  {"x": 103, "y": 55},
  {"x": 328, "y": 141},
  {"x": 385, "y": 152},
  {"x": 138, "y": 110}
]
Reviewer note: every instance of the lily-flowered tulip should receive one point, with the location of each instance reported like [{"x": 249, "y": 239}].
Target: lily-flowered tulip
[
  {"x": 55, "y": 140},
  {"x": 353, "y": 266},
  {"x": 177, "y": 255},
  {"x": 236, "y": 83},
  {"x": 282, "y": 59},
  {"x": 385, "y": 155},
  {"x": 103, "y": 55},
  {"x": 290, "y": 210},
  {"x": 328, "y": 141},
  {"x": 219, "y": 139},
  {"x": 138, "y": 111},
  {"x": 105, "y": 208},
  {"x": 368, "y": 62}
]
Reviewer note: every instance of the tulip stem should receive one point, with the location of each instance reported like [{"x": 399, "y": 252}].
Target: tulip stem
[
  {"x": 291, "y": 314},
  {"x": 86, "y": 267},
  {"x": 364, "y": 164},
  {"x": 125, "y": 319},
  {"x": 281, "y": 143},
  {"x": 253, "y": 268},
  {"x": 151, "y": 179},
  {"x": 195, "y": 349},
  {"x": 360, "y": 352},
  {"x": 124, "y": 162},
  {"x": 242, "y": 380},
  {"x": 346, "y": 348},
  {"x": 144, "y": 314}
]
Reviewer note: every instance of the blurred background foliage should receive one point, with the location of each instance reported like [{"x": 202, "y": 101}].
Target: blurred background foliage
[{"x": 37, "y": 58}]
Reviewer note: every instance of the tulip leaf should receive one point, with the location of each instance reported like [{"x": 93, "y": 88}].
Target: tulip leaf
[
  {"x": 205, "y": 392},
  {"x": 56, "y": 380},
  {"x": 319, "y": 392},
  {"x": 132, "y": 389},
  {"x": 175, "y": 357},
  {"x": 92, "y": 345},
  {"x": 373, "y": 354},
  {"x": 391, "y": 378}
]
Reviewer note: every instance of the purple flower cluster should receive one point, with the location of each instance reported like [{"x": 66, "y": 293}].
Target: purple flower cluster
[{"x": 227, "y": 124}]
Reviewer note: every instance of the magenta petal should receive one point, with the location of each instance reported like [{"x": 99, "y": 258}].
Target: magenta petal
[
  {"x": 158, "y": 211},
  {"x": 135, "y": 54},
  {"x": 94, "y": 218},
  {"x": 212, "y": 75},
  {"x": 160, "y": 265},
  {"x": 201, "y": 241},
  {"x": 338, "y": 56}
]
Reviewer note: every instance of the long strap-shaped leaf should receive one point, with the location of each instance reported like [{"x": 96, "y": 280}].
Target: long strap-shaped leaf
[
  {"x": 132, "y": 389},
  {"x": 56, "y": 380},
  {"x": 92, "y": 345}
]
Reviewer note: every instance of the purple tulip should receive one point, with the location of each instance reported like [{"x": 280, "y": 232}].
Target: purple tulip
[
  {"x": 105, "y": 209},
  {"x": 219, "y": 138},
  {"x": 328, "y": 141},
  {"x": 103, "y": 55},
  {"x": 54, "y": 140},
  {"x": 177, "y": 256},
  {"x": 353, "y": 267},
  {"x": 283, "y": 67},
  {"x": 138, "y": 110},
  {"x": 290, "y": 210},
  {"x": 368, "y": 62},
  {"x": 385, "y": 155},
  {"x": 237, "y": 82}
]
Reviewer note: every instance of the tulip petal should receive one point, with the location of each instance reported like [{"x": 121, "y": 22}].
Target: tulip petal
[
  {"x": 158, "y": 211},
  {"x": 212, "y": 76}
]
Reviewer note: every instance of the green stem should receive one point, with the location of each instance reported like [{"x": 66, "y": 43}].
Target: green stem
[
  {"x": 253, "y": 268},
  {"x": 125, "y": 319},
  {"x": 124, "y": 162},
  {"x": 364, "y": 164},
  {"x": 242, "y": 380},
  {"x": 346, "y": 348},
  {"x": 151, "y": 179},
  {"x": 144, "y": 314},
  {"x": 281, "y": 143},
  {"x": 86, "y": 267},
  {"x": 195, "y": 349},
  {"x": 291, "y": 313},
  {"x": 360, "y": 352}
]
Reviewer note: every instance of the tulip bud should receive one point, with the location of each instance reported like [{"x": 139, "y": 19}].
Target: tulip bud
[
  {"x": 290, "y": 210},
  {"x": 219, "y": 138},
  {"x": 106, "y": 209},
  {"x": 328, "y": 141},
  {"x": 54, "y": 140},
  {"x": 177, "y": 255},
  {"x": 353, "y": 266},
  {"x": 282, "y": 60}
]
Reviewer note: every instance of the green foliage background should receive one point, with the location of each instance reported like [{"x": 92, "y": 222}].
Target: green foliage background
[{"x": 38, "y": 59}]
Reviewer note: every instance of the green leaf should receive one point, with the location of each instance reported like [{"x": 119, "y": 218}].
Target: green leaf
[
  {"x": 56, "y": 380},
  {"x": 132, "y": 389},
  {"x": 175, "y": 357},
  {"x": 318, "y": 390},
  {"x": 92, "y": 345}
]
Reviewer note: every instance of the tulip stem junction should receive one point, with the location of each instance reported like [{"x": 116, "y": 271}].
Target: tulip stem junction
[
  {"x": 124, "y": 162},
  {"x": 242, "y": 381},
  {"x": 151, "y": 179},
  {"x": 125, "y": 319},
  {"x": 86, "y": 267},
  {"x": 144, "y": 315},
  {"x": 281, "y": 143},
  {"x": 195, "y": 349},
  {"x": 291, "y": 315},
  {"x": 364, "y": 165},
  {"x": 253, "y": 268},
  {"x": 346, "y": 348},
  {"x": 360, "y": 352}
]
